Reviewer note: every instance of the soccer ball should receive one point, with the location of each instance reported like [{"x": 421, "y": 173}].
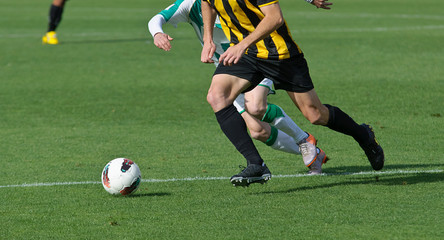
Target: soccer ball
[{"x": 121, "y": 176}]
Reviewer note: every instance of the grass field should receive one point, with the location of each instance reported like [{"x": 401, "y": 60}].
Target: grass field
[{"x": 106, "y": 91}]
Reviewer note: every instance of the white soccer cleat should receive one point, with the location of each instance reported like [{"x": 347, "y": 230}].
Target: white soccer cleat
[
  {"x": 308, "y": 150},
  {"x": 316, "y": 166}
]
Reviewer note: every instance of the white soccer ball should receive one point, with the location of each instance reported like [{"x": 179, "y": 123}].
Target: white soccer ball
[{"x": 121, "y": 176}]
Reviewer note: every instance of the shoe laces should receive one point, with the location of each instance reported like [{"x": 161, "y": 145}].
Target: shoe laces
[{"x": 304, "y": 148}]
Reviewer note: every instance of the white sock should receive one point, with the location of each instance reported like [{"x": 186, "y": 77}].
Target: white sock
[
  {"x": 239, "y": 103},
  {"x": 287, "y": 125},
  {"x": 285, "y": 143}
]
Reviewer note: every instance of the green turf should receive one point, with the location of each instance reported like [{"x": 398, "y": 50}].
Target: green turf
[{"x": 106, "y": 91}]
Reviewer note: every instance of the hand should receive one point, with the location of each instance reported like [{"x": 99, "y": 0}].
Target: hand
[
  {"x": 322, "y": 4},
  {"x": 208, "y": 50},
  {"x": 232, "y": 55},
  {"x": 162, "y": 41}
]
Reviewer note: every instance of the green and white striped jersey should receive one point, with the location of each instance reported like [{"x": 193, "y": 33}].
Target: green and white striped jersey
[{"x": 190, "y": 11}]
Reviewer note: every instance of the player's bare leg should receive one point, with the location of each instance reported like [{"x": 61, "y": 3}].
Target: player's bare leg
[
  {"x": 337, "y": 120},
  {"x": 283, "y": 134},
  {"x": 223, "y": 90}
]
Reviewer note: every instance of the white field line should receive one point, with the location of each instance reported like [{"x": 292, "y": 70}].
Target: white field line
[
  {"x": 225, "y": 178},
  {"x": 371, "y": 29},
  {"x": 386, "y": 16},
  {"x": 368, "y": 15},
  {"x": 317, "y": 30}
]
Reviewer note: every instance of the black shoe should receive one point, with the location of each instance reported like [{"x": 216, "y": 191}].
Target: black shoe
[
  {"x": 373, "y": 150},
  {"x": 253, "y": 173}
]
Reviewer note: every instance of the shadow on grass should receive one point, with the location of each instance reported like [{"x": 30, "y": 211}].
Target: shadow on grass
[
  {"x": 395, "y": 179},
  {"x": 387, "y": 167},
  {"x": 159, "y": 194}
]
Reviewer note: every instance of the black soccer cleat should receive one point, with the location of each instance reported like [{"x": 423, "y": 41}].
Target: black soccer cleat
[
  {"x": 373, "y": 150},
  {"x": 253, "y": 173}
]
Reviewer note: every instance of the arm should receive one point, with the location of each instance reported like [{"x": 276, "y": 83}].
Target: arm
[
  {"x": 175, "y": 13},
  {"x": 161, "y": 39},
  {"x": 273, "y": 20},
  {"x": 208, "y": 17}
]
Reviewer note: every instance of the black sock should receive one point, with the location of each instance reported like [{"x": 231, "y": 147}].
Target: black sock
[
  {"x": 234, "y": 127},
  {"x": 341, "y": 122},
  {"x": 55, "y": 16}
]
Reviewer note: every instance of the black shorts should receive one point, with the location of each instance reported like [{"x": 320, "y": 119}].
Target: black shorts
[{"x": 289, "y": 74}]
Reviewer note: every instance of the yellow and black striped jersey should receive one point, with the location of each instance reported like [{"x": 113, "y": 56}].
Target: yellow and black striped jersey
[{"x": 239, "y": 18}]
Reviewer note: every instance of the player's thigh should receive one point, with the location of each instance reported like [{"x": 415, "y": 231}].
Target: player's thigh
[{"x": 310, "y": 105}]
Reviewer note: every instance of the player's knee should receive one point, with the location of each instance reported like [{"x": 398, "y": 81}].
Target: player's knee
[
  {"x": 211, "y": 98},
  {"x": 261, "y": 135},
  {"x": 217, "y": 101},
  {"x": 257, "y": 110}
]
